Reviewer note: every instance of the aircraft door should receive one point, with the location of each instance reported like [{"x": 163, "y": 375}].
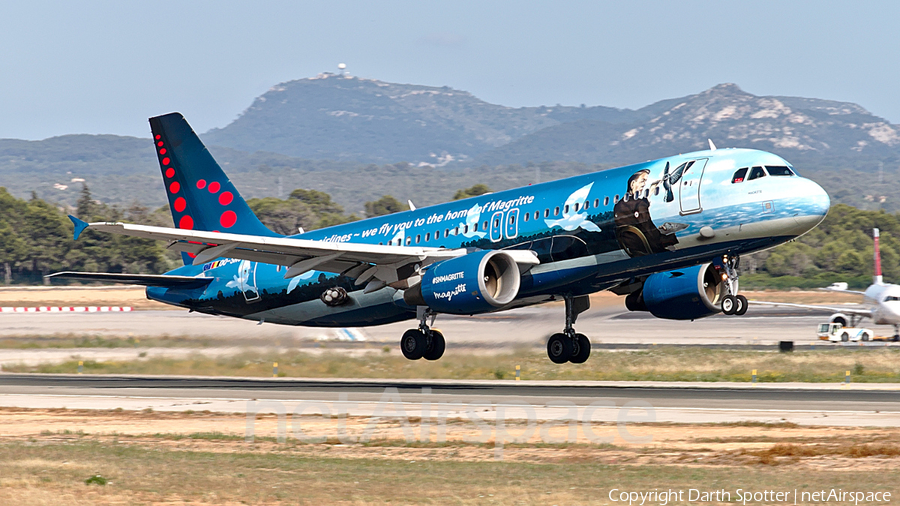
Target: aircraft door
[
  {"x": 247, "y": 277},
  {"x": 689, "y": 189},
  {"x": 497, "y": 226},
  {"x": 512, "y": 223}
]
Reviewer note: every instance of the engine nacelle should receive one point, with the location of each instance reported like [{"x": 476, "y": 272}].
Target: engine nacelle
[
  {"x": 684, "y": 294},
  {"x": 841, "y": 318},
  {"x": 475, "y": 283}
]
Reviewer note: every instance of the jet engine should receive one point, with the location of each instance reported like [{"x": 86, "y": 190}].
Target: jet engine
[
  {"x": 682, "y": 294},
  {"x": 475, "y": 283}
]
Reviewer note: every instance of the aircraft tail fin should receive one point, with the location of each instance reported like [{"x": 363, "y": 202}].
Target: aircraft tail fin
[
  {"x": 877, "y": 279},
  {"x": 201, "y": 197}
]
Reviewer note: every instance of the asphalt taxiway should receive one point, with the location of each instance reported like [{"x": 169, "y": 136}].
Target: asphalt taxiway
[{"x": 817, "y": 404}]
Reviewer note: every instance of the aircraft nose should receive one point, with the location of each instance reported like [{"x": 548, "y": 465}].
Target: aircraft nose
[{"x": 812, "y": 204}]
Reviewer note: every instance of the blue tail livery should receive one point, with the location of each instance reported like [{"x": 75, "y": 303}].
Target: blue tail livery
[
  {"x": 201, "y": 197},
  {"x": 667, "y": 234}
]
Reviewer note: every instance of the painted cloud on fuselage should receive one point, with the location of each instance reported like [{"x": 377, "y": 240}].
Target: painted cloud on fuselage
[{"x": 572, "y": 219}]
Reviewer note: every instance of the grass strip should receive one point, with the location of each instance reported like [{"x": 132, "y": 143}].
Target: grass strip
[{"x": 657, "y": 364}]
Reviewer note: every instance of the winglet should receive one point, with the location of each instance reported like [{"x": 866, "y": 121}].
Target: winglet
[
  {"x": 712, "y": 147},
  {"x": 79, "y": 226}
]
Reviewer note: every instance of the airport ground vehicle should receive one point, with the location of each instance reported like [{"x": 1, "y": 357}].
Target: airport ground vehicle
[{"x": 835, "y": 332}]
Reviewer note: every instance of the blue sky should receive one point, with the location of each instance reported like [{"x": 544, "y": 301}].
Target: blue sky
[{"x": 105, "y": 67}]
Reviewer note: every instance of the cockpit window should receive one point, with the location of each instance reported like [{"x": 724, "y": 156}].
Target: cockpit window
[
  {"x": 779, "y": 170},
  {"x": 739, "y": 175},
  {"x": 756, "y": 172},
  {"x": 891, "y": 297}
]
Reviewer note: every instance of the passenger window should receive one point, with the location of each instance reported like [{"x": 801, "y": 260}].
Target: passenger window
[
  {"x": 605, "y": 201},
  {"x": 527, "y": 216},
  {"x": 279, "y": 267},
  {"x": 779, "y": 170},
  {"x": 756, "y": 172},
  {"x": 427, "y": 237},
  {"x": 656, "y": 191},
  {"x": 739, "y": 175},
  {"x": 418, "y": 238},
  {"x": 576, "y": 207},
  {"x": 484, "y": 225},
  {"x": 566, "y": 209},
  {"x": 597, "y": 203},
  {"x": 512, "y": 219},
  {"x": 446, "y": 232},
  {"x": 616, "y": 199},
  {"x": 537, "y": 214},
  {"x": 475, "y": 228},
  {"x": 456, "y": 231},
  {"x": 497, "y": 222},
  {"x": 556, "y": 211},
  {"x": 546, "y": 213},
  {"x": 466, "y": 228},
  {"x": 408, "y": 241}
]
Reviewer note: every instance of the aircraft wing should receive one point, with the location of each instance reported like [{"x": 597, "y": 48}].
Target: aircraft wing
[
  {"x": 865, "y": 313},
  {"x": 388, "y": 264},
  {"x": 136, "y": 279}
]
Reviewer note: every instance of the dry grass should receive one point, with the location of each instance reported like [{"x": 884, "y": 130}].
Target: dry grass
[
  {"x": 41, "y": 472},
  {"x": 32, "y": 296},
  {"x": 661, "y": 364}
]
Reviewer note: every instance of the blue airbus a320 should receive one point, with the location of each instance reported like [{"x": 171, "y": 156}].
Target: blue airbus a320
[{"x": 666, "y": 233}]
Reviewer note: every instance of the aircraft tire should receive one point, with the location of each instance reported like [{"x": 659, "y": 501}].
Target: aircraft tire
[
  {"x": 436, "y": 350},
  {"x": 729, "y": 303},
  {"x": 743, "y": 305},
  {"x": 412, "y": 344},
  {"x": 559, "y": 348},
  {"x": 583, "y": 349}
]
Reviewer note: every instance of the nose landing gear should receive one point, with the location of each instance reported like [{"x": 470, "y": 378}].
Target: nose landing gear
[
  {"x": 423, "y": 342},
  {"x": 570, "y": 346},
  {"x": 733, "y": 303}
]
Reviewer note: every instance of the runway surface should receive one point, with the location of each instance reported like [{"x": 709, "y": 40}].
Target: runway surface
[
  {"x": 521, "y": 327},
  {"x": 821, "y": 404}
]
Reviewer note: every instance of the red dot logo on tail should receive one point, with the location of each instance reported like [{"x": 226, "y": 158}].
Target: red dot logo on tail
[
  {"x": 170, "y": 172},
  {"x": 162, "y": 151},
  {"x": 174, "y": 187},
  {"x": 179, "y": 204},
  {"x": 214, "y": 187},
  {"x": 225, "y": 198},
  {"x": 186, "y": 223},
  {"x": 166, "y": 161},
  {"x": 201, "y": 184},
  {"x": 228, "y": 219}
]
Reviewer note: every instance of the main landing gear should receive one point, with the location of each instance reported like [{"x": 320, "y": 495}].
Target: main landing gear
[
  {"x": 732, "y": 303},
  {"x": 570, "y": 346},
  {"x": 896, "y": 333},
  {"x": 423, "y": 342}
]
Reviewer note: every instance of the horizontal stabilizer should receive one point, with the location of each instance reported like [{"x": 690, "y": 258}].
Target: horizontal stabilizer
[{"x": 160, "y": 280}]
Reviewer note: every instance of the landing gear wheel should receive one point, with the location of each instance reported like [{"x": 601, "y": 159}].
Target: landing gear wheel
[
  {"x": 896, "y": 338},
  {"x": 729, "y": 304},
  {"x": 413, "y": 344},
  {"x": 560, "y": 348},
  {"x": 743, "y": 304},
  {"x": 582, "y": 349},
  {"x": 436, "y": 347}
]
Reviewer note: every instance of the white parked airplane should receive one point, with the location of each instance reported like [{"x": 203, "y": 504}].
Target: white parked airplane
[{"x": 882, "y": 299}]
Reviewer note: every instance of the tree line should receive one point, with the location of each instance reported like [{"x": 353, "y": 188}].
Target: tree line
[
  {"x": 36, "y": 236},
  {"x": 36, "y": 239}
]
